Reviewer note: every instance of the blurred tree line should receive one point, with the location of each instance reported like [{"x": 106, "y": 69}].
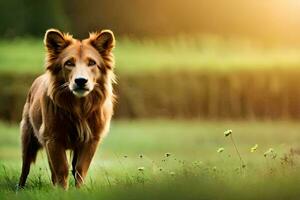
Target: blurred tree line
[
  {"x": 267, "y": 20},
  {"x": 31, "y": 17},
  {"x": 210, "y": 95}
]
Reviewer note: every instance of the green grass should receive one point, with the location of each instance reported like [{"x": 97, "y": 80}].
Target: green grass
[
  {"x": 194, "y": 170},
  {"x": 133, "y": 56}
]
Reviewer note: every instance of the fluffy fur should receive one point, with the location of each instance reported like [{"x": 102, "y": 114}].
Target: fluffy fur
[{"x": 56, "y": 118}]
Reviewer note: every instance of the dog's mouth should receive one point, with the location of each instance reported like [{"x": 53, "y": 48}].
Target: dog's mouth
[{"x": 80, "y": 91}]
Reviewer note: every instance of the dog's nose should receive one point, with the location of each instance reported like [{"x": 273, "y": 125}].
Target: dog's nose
[{"x": 80, "y": 82}]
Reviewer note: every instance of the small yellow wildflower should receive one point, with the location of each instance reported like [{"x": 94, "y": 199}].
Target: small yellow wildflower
[
  {"x": 254, "y": 148},
  {"x": 270, "y": 152},
  {"x": 167, "y": 154},
  {"x": 141, "y": 169},
  {"x": 227, "y": 133},
  {"x": 220, "y": 150}
]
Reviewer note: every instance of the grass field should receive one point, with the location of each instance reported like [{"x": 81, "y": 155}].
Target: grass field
[
  {"x": 132, "y": 163},
  {"x": 133, "y": 56}
]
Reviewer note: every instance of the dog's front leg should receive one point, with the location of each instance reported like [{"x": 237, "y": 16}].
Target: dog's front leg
[
  {"x": 85, "y": 155},
  {"x": 58, "y": 163}
]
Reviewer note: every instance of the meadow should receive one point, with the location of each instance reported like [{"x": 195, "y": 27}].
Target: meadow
[
  {"x": 200, "y": 83},
  {"x": 164, "y": 159}
]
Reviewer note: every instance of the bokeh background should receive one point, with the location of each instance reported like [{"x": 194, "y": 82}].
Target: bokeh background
[
  {"x": 234, "y": 59},
  {"x": 187, "y": 70}
]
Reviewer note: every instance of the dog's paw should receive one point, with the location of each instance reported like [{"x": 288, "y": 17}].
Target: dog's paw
[{"x": 18, "y": 188}]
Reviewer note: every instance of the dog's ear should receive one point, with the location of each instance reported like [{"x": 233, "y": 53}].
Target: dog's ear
[
  {"x": 103, "y": 41},
  {"x": 55, "y": 41}
]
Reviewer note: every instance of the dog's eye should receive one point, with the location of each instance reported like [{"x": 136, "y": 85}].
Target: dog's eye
[
  {"x": 69, "y": 63},
  {"x": 91, "y": 63}
]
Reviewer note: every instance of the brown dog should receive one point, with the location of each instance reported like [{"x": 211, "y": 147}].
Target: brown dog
[{"x": 70, "y": 106}]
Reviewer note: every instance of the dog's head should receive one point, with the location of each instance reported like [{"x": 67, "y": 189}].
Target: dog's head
[{"x": 79, "y": 65}]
